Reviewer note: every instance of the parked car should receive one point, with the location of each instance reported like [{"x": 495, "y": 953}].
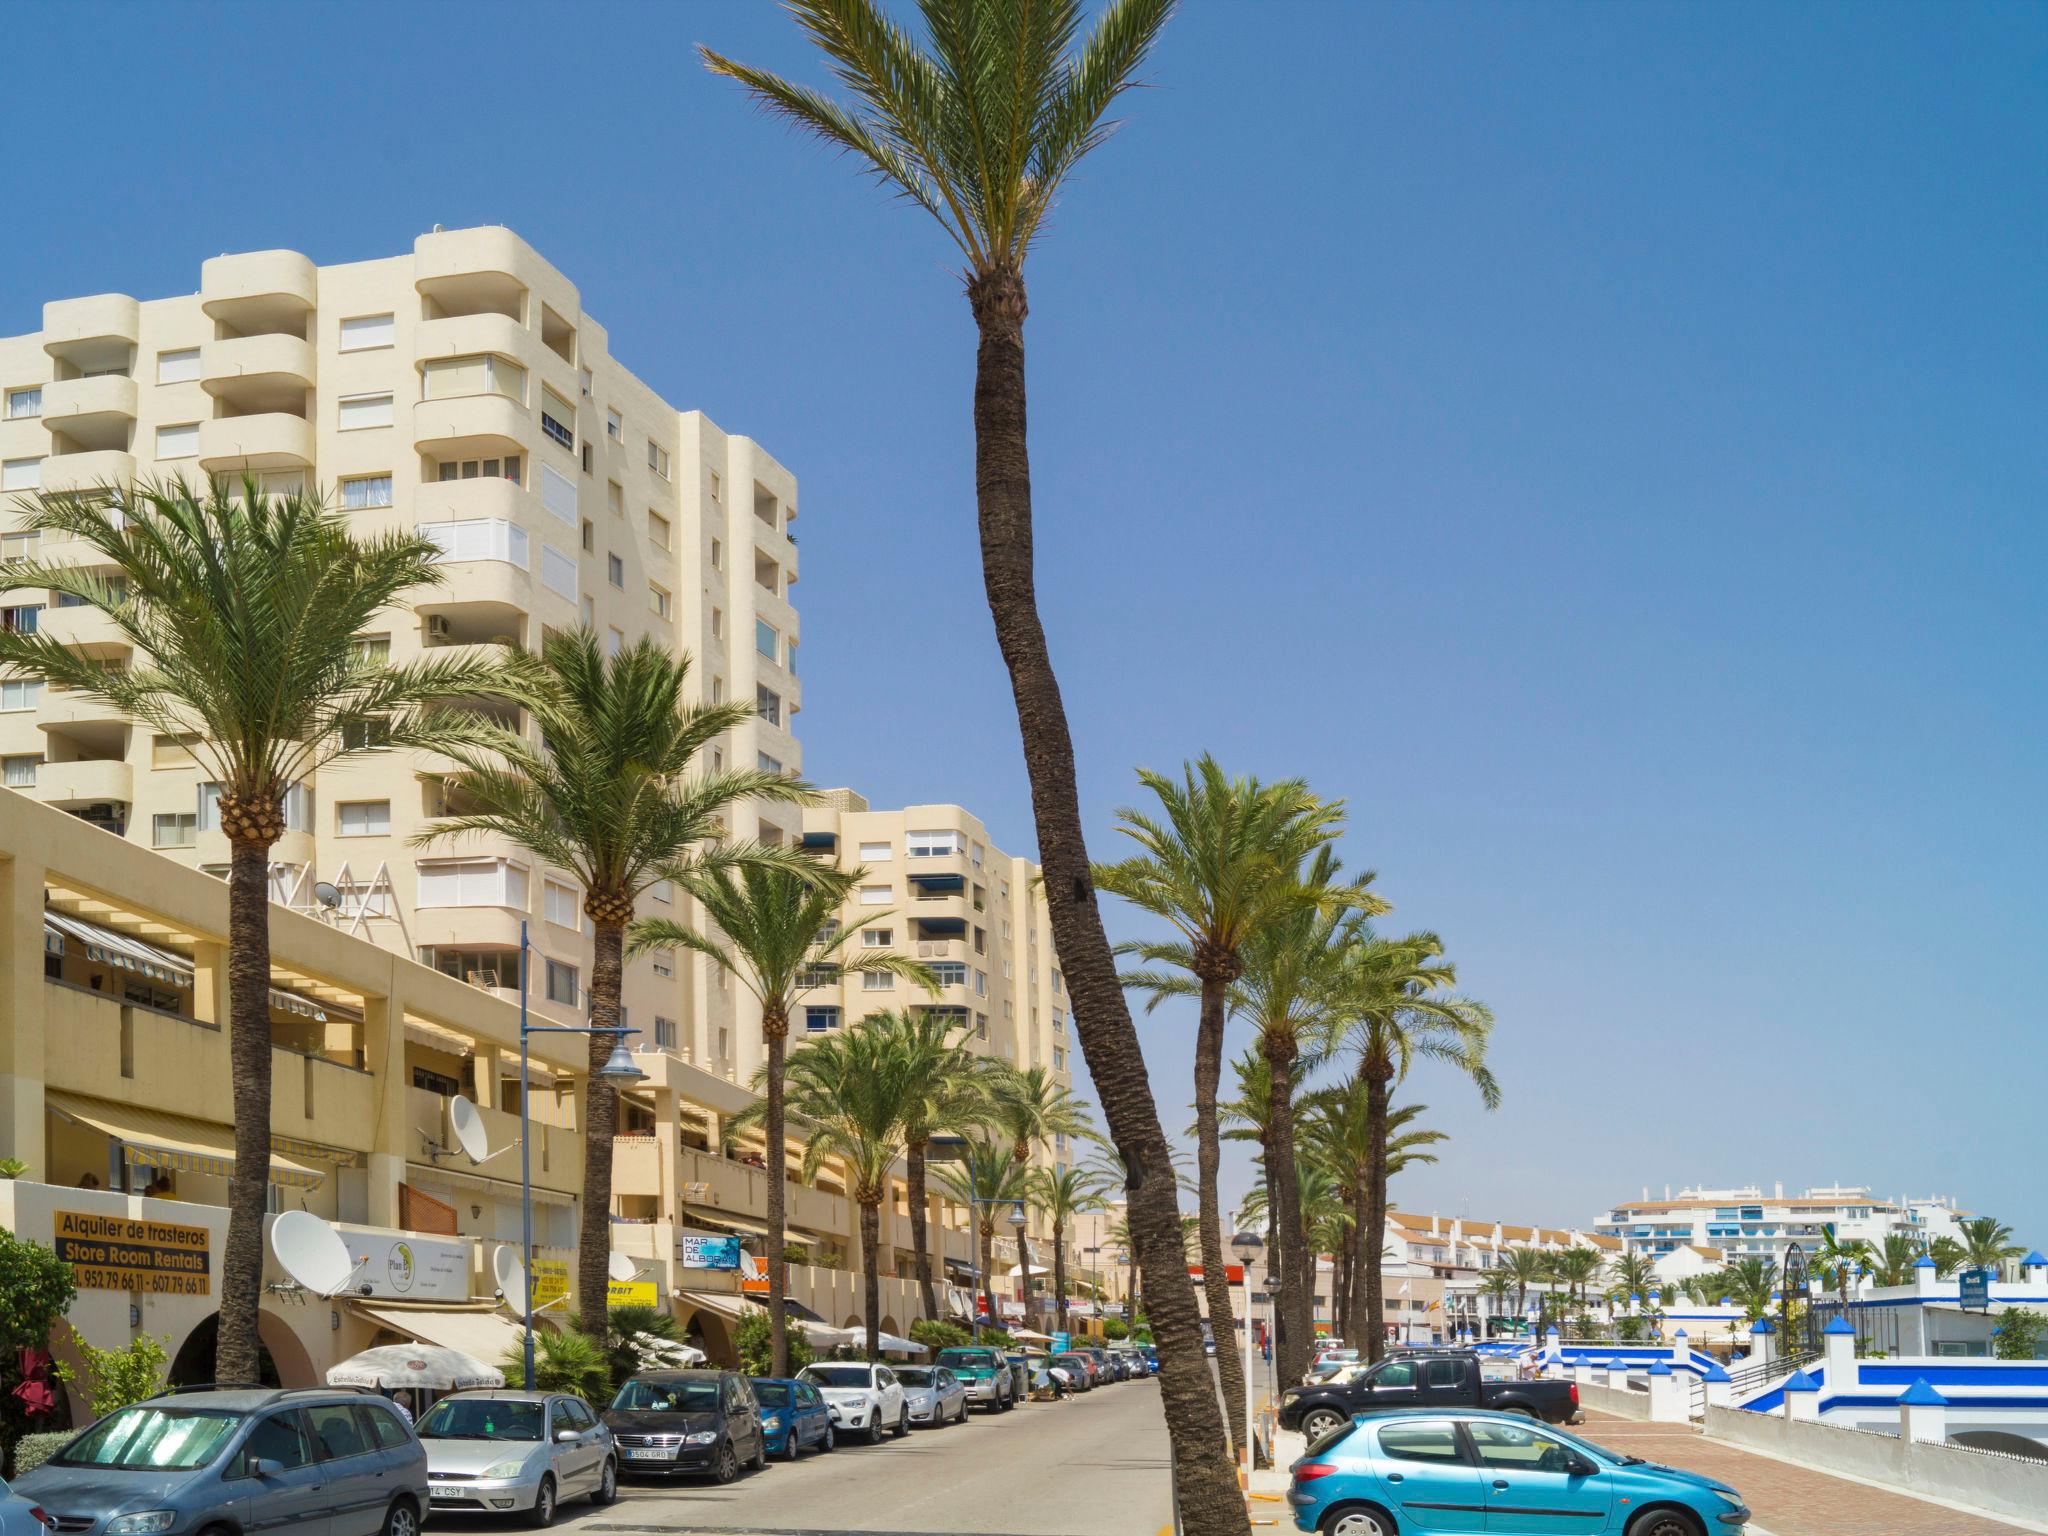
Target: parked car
[
  {"x": 19, "y": 1516},
  {"x": 1081, "y": 1368},
  {"x": 1430, "y": 1470},
  {"x": 1151, "y": 1355},
  {"x": 866, "y": 1399},
  {"x": 934, "y": 1394},
  {"x": 1447, "y": 1380},
  {"x": 698, "y": 1423},
  {"x": 980, "y": 1370},
  {"x": 489, "y": 1452},
  {"x": 1326, "y": 1361},
  {"x": 1105, "y": 1367},
  {"x": 247, "y": 1459},
  {"x": 794, "y": 1414},
  {"x": 1129, "y": 1361}
]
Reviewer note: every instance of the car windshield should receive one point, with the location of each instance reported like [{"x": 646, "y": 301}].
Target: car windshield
[
  {"x": 914, "y": 1376},
  {"x": 772, "y": 1394},
  {"x": 1591, "y": 1449},
  {"x": 1329, "y": 1437},
  {"x": 144, "y": 1438},
  {"x": 967, "y": 1359},
  {"x": 693, "y": 1396},
  {"x": 483, "y": 1418},
  {"x": 839, "y": 1375}
]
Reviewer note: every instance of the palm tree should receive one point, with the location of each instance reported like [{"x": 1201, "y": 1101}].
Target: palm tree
[
  {"x": 984, "y": 1178},
  {"x": 782, "y": 939},
  {"x": 1397, "y": 1013},
  {"x": 604, "y": 790},
  {"x": 1217, "y": 863},
  {"x": 242, "y": 610},
  {"x": 1748, "y": 1283},
  {"x": 1948, "y": 1255},
  {"x": 981, "y": 131},
  {"x": 1836, "y": 1260},
  {"x": 945, "y": 1091},
  {"x": 1894, "y": 1260},
  {"x": 848, "y": 1091},
  {"x": 1576, "y": 1268},
  {"x": 1987, "y": 1243},
  {"x": 1032, "y": 1108},
  {"x": 1526, "y": 1267},
  {"x": 1495, "y": 1285},
  {"x": 1634, "y": 1274},
  {"x": 1061, "y": 1194},
  {"x": 1337, "y": 1133}
]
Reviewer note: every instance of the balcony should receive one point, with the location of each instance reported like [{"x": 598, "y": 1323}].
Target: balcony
[
  {"x": 270, "y": 440},
  {"x": 258, "y": 375},
  {"x": 636, "y": 1166},
  {"x": 87, "y": 630},
  {"x": 259, "y": 292},
  {"x": 77, "y": 714},
  {"x": 454, "y": 501},
  {"x": 90, "y": 781},
  {"x": 85, "y": 471},
  {"x": 97, "y": 412},
  {"x": 488, "y": 269},
  {"x": 93, "y": 334},
  {"x": 469, "y": 335},
  {"x": 472, "y": 427},
  {"x": 468, "y": 927}
]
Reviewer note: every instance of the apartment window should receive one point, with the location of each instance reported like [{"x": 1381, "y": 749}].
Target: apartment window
[
  {"x": 24, "y": 403},
  {"x": 933, "y": 845},
  {"x": 877, "y": 938},
  {"x": 561, "y": 904},
  {"x": 876, "y": 853},
  {"x": 718, "y": 690},
  {"x": 789, "y": 657},
  {"x": 981, "y": 983},
  {"x": 724, "y": 1037},
  {"x": 174, "y": 829},
  {"x": 589, "y": 537},
  {"x": 362, "y": 333},
  {"x": 877, "y": 981},
  {"x": 717, "y": 485},
  {"x": 363, "y": 818},
  {"x": 448, "y": 378},
  {"x": 20, "y": 772},
  {"x": 365, "y": 735},
  {"x": 361, "y": 491},
  {"x": 558, "y": 494},
  {"x": 509, "y": 468},
  {"x": 717, "y": 555},
  {"x": 479, "y": 538},
  {"x": 615, "y": 498},
  {"x": 718, "y": 623},
  {"x": 768, "y": 704},
  {"x": 657, "y": 458},
  {"x": 21, "y": 474},
  {"x": 22, "y": 619},
  {"x": 658, "y": 601},
  {"x": 557, "y": 418},
  {"x": 765, "y": 635},
  {"x": 179, "y": 367},
  {"x": 1059, "y": 1022},
  {"x": 1059, "y": 1059},
  {"x": 819, "y": 1018},
  {"x": 17, "y": 696},
  {"x": 981, "y": 1026},
  {"x": 170, "y": 752},
  {"x": 874, "y": 895},
  {"x": 19, "y": 546},
  {"x": 561, "y": 983},
  {"x": 664, "y": 1033},
  {"x": 950, "y": 973},
  {"x": 614, "y": 640},
  {"x": 663, "y": 892},
  {"x": 360, "y": 411},
  {"x": 472, "y": 883},
  {"x": 657, "y": 529},
  {"x": 615, "y": 571},
  {"x": 614, "y": 426},
  {"x": 587, "y": 609},
  {"x": 297, "y": 807},
  {"x": 766, "y": 763},
  {"x": 664, "y": 961}
]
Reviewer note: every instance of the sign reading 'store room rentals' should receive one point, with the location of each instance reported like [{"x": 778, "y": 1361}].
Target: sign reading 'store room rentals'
[{"x": 120, "y": 1253}]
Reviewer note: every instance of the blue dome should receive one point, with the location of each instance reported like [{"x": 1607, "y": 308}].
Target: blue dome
[
  {"x": 1801, "y": 1382},
  {"x": 1840, "y": 1325},
  {"x": 1921, "y": 1395}
]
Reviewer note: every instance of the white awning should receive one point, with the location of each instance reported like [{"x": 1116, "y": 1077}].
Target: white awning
[
  {"x": 106, "y": 946},
  {"x": 478, "y": 1330},
  {"x": 727, "y": 1304}
]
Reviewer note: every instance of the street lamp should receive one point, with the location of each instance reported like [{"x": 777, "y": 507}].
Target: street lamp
[
  {"x": 1249, "y": 1248},
  {"x": 1018, "y": 1221},
  {"x": 974, "y": 1274},
  {"x": 619, "y": 1071}
]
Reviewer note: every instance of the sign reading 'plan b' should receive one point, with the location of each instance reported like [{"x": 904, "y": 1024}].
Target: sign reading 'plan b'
[{"x": 122, "y": 1253}]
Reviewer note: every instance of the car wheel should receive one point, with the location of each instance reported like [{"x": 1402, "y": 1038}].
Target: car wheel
[
  {"x": 1356, "y": 1520},
  {"x": 831, "y": 1440},
  {"x": 727, "y": 1467},
  {"x": 789, "y": 1446},
  {"x": 1663, "y": 1522},
  {"x": 543, "y": 1511},
  {"x": 902, "y": 1423},
  {"x": 760, "y": 1458},
  {"x": 1320, "y": 1421},
  {"x": 402, "y": 1518},
  {"x": 1522, "y": 1413},
  {"x": 607, "y": 1484}
]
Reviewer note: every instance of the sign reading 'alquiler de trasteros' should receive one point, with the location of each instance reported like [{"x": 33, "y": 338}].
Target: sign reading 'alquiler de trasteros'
[{"x": 119, "y": 1253}]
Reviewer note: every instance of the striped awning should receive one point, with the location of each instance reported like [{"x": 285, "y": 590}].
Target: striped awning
[
  {"x": 106, "y": 946},
  {"x": 159, "y": 1140},
  {"x": 713, "y": 1217}
]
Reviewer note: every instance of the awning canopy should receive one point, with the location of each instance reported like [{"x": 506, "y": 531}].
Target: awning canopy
[
  {"x": 942, "y": 926},
  {"x": 105, "y": 946},
  {"x": 159, "y": 1140},
  {"x": 477, "y": 1329},
  {"x": 726, "y": 1304},
  {"x": 714, "y": 1216},
  {"x": 939, "y": 882}
]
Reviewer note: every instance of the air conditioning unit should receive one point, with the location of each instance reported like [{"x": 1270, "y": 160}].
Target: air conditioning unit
[{"x": 438, "y": 628}]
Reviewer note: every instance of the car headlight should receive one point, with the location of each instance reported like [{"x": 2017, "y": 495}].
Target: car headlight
[
  {"x": 702, "y": 1437},
  {"x": 148, "y": 1523},
  {"x": 505, "y": 1469},
  {"x": 771, "y": 1421}
]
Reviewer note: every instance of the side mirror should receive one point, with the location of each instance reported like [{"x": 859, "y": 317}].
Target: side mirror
[
  {"x": 1578, "y": 1466},
  {"x": 263, "y": 1466},
  {"x": 565, "y": 1434}
]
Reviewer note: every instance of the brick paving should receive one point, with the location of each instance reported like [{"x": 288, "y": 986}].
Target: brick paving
[{"x": 1789, "y": 1500}]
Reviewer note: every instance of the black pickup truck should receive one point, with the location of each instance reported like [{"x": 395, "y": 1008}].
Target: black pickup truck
[{"x": 1445, "y": 1379}]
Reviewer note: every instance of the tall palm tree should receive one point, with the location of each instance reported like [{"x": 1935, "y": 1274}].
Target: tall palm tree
[
  {"x": 1400, "y": 1012},
  {"x": 945, "y": 1091},
  {"x": 1948, "y": 1255},
  {"x": 1060, "y": 1195},
  {"x": 242, "y": 610},
  {"x": 1575, "y": 1269},
  {"x": 1033, "y": 1108},
  {"x": 1217, "y": 862},
  {"x": 1337, "y": 1132},
  {"x": 1633, "y": 1274},
  {"x": 1835, "y": 1259},
  {"x": 1748, "y": 1283},
  {"x": 980, "y": 129},
  {"x": 782, "y": 939},
  {"x": 1248, "y": 1117},
  {"x": 1893, "y": 1261},
  {"x": 1526, "y": 1267},
  {"x": 847, "y": 1090},
  {"x": 606, "y": 790},
  {"x": 1494, "y": 1285},
  {"x": 1987, "y": 1243},
  {"x": 985, "y": 1178}
]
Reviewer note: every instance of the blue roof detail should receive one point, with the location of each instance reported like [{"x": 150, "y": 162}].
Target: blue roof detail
[
  {"x": 1838, "y": 1325},
  {"x": 1762, "y": 1325},
  {"x": 1801, "y": 1382},
  {"x": 1681, "y": 1334},
  {"x": 1659, "y": 1369},
  {"x": 1925, "y": 1261},
  {"x": 1715, "y": 1373},
  {"x": 2033, "y": 1260},
  {"x": 1921, "y": 1395}
]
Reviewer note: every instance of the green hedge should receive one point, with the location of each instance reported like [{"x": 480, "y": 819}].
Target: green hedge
[{"x": 31, "y": 1451}]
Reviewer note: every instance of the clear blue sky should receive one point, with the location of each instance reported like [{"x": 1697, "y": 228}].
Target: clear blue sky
[{"x": 1605, "y": 443}]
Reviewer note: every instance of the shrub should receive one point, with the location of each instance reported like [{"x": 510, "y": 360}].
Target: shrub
[
  {"x": 2018, "y": 1334},
  {"x": 936, "y": 1333},
  {"x": 1115, "y": 1329},
  {"x": 563, "y": 1362},
  {"x": 36, "y": 1289},
  {"x": 755, "y": 1341},
  {"x": 31, "y": 1451},
  {"x": 114, "y": 1378},
  {"x": 999, "y": 1338}
]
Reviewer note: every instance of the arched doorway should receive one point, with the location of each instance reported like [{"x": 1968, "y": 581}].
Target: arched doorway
[
  {"x": 281, "y": 1360},
  {"x": 707, "y": 1331}
]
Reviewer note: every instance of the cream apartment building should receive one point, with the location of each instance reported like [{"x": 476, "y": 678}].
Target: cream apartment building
[{"x": 458, "y": 389}]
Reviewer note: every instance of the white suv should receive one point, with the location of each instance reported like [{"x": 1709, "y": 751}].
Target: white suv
[{"x": 865, "y": 1399}]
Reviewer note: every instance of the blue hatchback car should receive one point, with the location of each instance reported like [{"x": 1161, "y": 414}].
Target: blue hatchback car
[
  {"x": 793, "y": 1415},
  {"x": 1424, "y": 1471}
]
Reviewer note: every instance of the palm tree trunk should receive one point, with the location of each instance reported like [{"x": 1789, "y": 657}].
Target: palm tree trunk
[
  {"x": 601, "y": 1110},
  {"x": 988, "y": 1279},
  {"x": 1375, "y": 1235},
  {"x": 1059, "y": 1274},
  {"x": 1364, "y": 1253},
  {"x": 1024, "y": 1274},
  {"x": 871, "y": 1271},
  {"x": 241, "y": 1282},
  {"x": 775, "y": 1031},
  {"x": 1214, "y": 972},
  {"x": 913, "y": 1157},
  {"x": 1210, "y": 1502},
  {"x": 1297, "y": 1293}
]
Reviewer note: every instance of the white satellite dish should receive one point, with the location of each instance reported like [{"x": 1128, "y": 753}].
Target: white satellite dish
[
  {"x": 467, "y": 1122},
  {"x": 311, "y": 1252},
  {"x": 621, "y": 1268},
  {"x": 510, "y": 1275},
  {"x": 327, "y": 894}
]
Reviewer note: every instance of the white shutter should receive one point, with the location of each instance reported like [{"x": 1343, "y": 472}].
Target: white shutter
[
  {"x": 180, "y": 367},
  {"x": 558, "y": 494},
  {"x": 177, "y": 442},
  {"x": 440, "y": 885},
  {"x": 21, "y": 474},
  {"x": 514, "y": 545},
  {"x": 557, "y": 571},
  {"x": 364, "y": 411},
  {"x": 366, "y": 331}
]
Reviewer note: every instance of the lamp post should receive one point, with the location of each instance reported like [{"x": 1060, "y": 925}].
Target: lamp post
[
  {"x": 1018, "y": 1220},
  {"x": 974, "y": 1203},
  {"x": 1249, "y": 1248},
  {"x": 619, "y": 1071}
]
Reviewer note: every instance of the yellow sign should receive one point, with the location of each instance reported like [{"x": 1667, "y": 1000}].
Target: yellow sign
[
  {"x": 119, "y": 1253},
  {"x": 550, "y": 1281},
  {"x": 631, "y": 1293}
]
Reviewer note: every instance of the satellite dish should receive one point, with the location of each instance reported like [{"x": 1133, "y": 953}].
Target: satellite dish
[
  {"x": 467, "y": 1122},
  {"x": 510, "y": 1275},
  {"x": 328, "y": 895},
  {"x": 311, "y": 1252},
  {"x": 621, "y": 1268}
]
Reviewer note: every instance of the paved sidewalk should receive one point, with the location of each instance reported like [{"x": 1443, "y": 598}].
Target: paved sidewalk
[{"x": 1787, "y": 1499}]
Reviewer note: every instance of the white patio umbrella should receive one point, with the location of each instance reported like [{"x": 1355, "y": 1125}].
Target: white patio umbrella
[
  {"x": 426, "y": 1366},
  {"x": 1016, "y": 1270},
  {"x": 892, "y": 1345}
]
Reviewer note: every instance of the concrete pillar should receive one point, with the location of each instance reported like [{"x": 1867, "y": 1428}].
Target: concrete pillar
[
  {"x": 1681, "y": 1348},
  {"x": 2034, "y": 1269},
  {"x": 210, "y": 983},
  {"x": 1720, "y": 1388},
  {"x": 1802, "y": 1398},
  {"x": 1923, "y": 1414},
  {"x": 1838, "y": 1339},
  {"x": 1667, "y": 1397},
  {"x": 384, "y": 1056},
  {"x": 1763, "y": 1341},
  {"x": 1926, "y": 1281},
  {"x": 22, "y": 1131}
]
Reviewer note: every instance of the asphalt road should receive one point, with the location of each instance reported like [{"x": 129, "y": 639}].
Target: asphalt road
[{"x": 1094, "y": 1465}]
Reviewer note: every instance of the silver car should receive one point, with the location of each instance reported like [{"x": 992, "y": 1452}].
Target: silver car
[
  {"x": 499, "y": 1452},
  {"x": 18, "y": 1516},
  {"x": 329, "y": 1459},
  {"x": 936, "y": 1396}
]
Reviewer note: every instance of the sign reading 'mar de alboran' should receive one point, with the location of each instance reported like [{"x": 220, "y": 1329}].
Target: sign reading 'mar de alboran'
[{"x": 121, "y": 1253}]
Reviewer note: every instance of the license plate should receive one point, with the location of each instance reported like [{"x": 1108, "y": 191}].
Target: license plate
[{"x": 646, "y": 1453}]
